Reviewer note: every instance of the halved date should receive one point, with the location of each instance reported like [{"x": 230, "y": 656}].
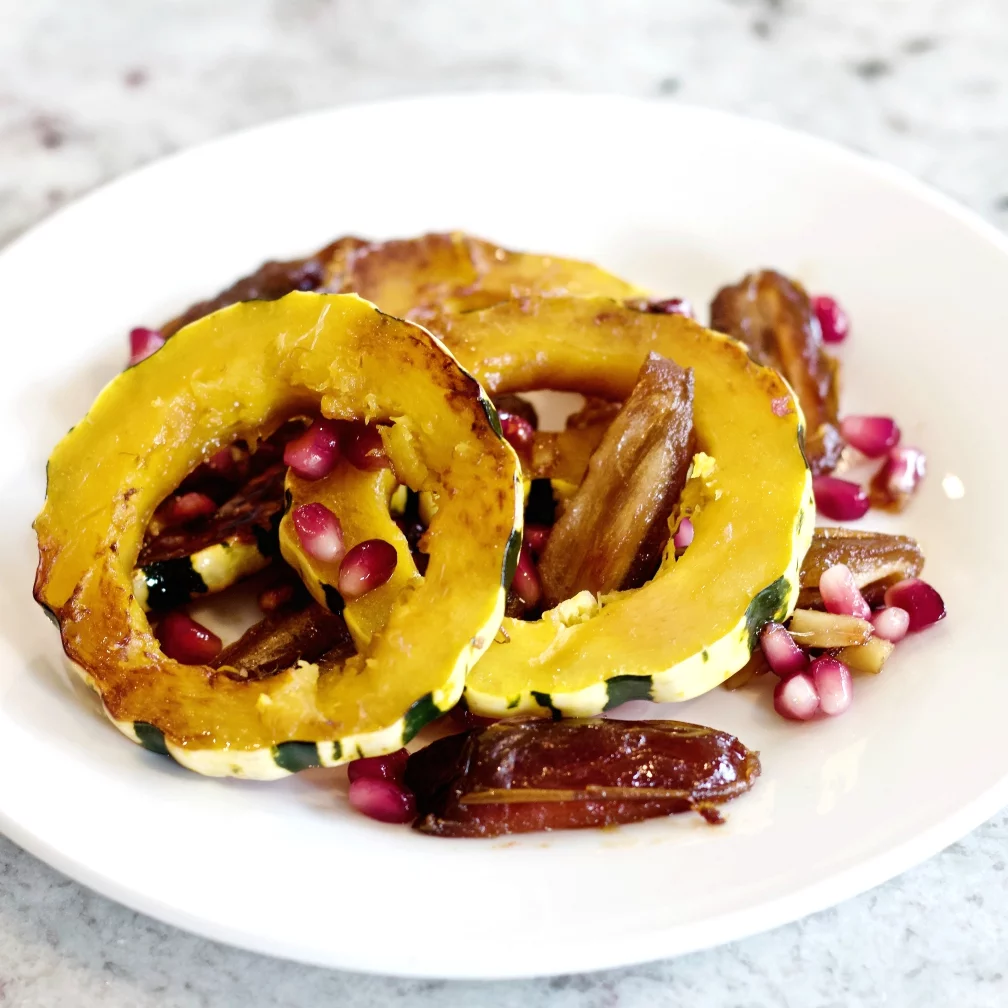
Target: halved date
[
  {"x": 876, "y": 560},
  {"x": 522, "y": 776},
  {"x": 613, "y": 530},
  {"x": 773, "y": 316}
]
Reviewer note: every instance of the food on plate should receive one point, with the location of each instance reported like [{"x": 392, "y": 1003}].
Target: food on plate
[
  {"x": 697, "y": 620},
  {"x": 526, "y": 775},
  {"x": 616, "y": 525},
  {"x": 776, "y": 320},
  {"x": 409, "y": 537},
  {"x": 238, "y": 374}
]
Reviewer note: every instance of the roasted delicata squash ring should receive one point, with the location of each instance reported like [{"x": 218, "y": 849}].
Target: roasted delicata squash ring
[
  {"x": 697, "y": 621},
  {"x": 237, "y": 374}
]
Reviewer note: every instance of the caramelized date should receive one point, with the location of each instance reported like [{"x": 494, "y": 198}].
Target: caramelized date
[
  {"x": 251, "y": 512},
  {"x": 612, "y": 533},
  {"x": 773, "y": 316},
  {"x": 282, "y": 638},
  {"x": 272, "y": 281},
  {"x": 524, "y": 776},
  {"x": 876, "y": 560}
]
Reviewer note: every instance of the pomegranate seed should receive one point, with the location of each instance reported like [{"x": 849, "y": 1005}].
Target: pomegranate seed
[
  {"x": 900, "y": 474},
  {"x": 384, "y": 800},
  {"x": 922, "y": 603},
  {"x": 391, "y": 767},
  {"x": 526, "y": 584},
  {"x": 319, "y": 532},
  {"x": 871, "y": 435},
  {"x": 671, "y": 306},
  {"x": 367, "y": 566},
  {"x": 364, "y": 448},
  {"x": 315, "y": 453},
  {"x": 536, "y": 537},
  {"x": 518, "y": 432},
  {"x": 187, "y": 641},
  {"x": 833, "y": 683},
  {"x": 783, "y": 655},
  {"x": 143, "y": 342},
  {"x": 186, "y": 507},
  {"x": 832, "y": 319},
  {"x": 222, "y": 462},
  {"x": 839, "y": 499},
  {"x": 840, "y": 593},
  {"x": 683, "y": 534},
  {"x": 796, "y": 698},
  {"x": 891, "y": 623}
]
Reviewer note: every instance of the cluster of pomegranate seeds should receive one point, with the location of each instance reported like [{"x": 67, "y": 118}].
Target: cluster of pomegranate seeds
[
  {"x": 526, "y": 584},
  {"x": 376, "y": 788},
  {"x": 824, "y": 685},
  {"x": 363, "y": 447},
  {"x": 143, "y": 342},
  {"x": 315, "y": 453},
  {"x": 319, "y": 532},
  {"x": 683, "y": 534},
  {"x": 185, "y": 640},
  {"x": 518, "y": 432},
  {"x": 840, "y": 499},
  {"x": 366, "y": 566},
  {"x": 832, "y": 318}
]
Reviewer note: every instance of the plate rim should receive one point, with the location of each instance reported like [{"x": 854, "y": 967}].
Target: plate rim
[{"x": 619, "y": 950}]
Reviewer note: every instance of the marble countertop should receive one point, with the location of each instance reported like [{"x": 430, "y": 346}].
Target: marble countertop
[{"x": 91, "y": 89}]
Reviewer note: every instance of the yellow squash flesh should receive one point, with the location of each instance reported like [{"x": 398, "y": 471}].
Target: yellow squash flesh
[
  {"x": 695, "y": 624},
  {"x": 238, "y": 373}
]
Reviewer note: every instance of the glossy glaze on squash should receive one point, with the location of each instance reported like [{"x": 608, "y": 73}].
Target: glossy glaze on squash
[
  {"x": 238, "y": 374},
  {"x": 696, "y": 622}
]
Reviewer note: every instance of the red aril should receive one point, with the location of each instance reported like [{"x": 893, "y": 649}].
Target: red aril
[
  {"x": 922, "y": 603},
  {"x": 391, "y": 766},
  {"x": 536, "y": 537},
  {"x": 518, "y": 432},
  {"x": 900, "y": 474},
  {"x": 683, "y": 534},
  {"x": 839, "y": 500},
  {"x": 832, "y": 319},
  {"x": 796, "y": 698},
  {"x": 871, "y": 435},
  {"x": 891, "y": 623},
  {"x": 364, "y": 448},
  {"x": 526, "y": 584},
  {"x": 367, "y": 566},
  {"x": 185, "y": 640},
  {"x": 315, "y": 453},
  {"x": 783, "y": 655},
  {"x": 384, "y": 800},
  {"x": 840, "y": 593},
  {"x": 833, "y": 683},
  {"x": 143, "y": 342},
  {"x": 186, "y": 507},
  {"x": 319, "y": 532}
]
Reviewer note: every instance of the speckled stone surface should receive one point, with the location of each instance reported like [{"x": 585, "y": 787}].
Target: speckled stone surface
[{"x": 92, "y": 88}]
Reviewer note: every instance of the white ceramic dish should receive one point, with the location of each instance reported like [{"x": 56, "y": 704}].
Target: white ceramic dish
[{"x": 681, "y": 200}]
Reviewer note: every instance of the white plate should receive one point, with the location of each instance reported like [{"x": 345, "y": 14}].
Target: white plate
[{"x": 681, "y": 200}]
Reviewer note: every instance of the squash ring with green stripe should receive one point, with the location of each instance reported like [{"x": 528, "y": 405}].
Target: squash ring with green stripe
[{"x": 269, "y": 360}]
